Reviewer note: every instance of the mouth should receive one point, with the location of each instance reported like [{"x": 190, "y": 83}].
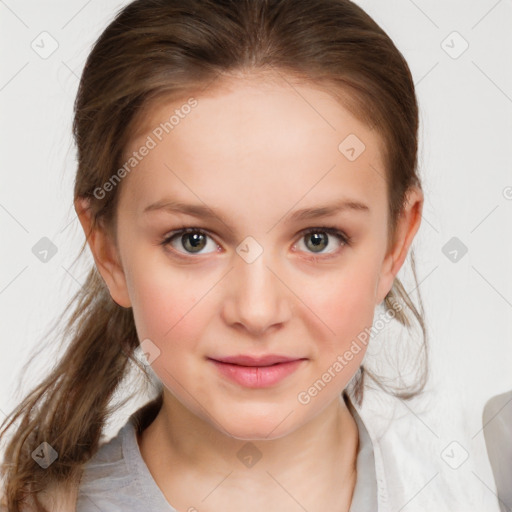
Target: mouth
[{"x": 261, "y": 372}]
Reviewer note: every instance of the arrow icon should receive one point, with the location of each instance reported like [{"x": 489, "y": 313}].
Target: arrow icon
[
  {"x": 351, "y": 147},
  {"x": 148, "y": 352},
  {"x": 249, "y": 249},
  {"x": 454, "y": 45},
  {"x": 44, "y": 455}
]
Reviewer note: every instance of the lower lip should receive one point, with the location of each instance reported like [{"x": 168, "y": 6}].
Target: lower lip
[{"x": 257, "y": 376}]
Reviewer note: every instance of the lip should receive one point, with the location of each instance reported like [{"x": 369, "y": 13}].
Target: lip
[
  {"x": 247, "y": 360},
  {"x": 259, "y": 372}
]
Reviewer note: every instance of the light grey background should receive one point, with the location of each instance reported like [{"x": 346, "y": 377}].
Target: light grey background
[{"x": 465, "y": 162}]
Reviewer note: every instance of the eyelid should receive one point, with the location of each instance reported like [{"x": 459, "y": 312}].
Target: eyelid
[{"x": 327, "y": 229}]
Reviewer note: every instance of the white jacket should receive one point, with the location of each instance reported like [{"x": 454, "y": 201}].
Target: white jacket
[{"x": 419, "y": 467}]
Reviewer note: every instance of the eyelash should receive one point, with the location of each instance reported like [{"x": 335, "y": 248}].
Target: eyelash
[{"x": 342, "y": 237}]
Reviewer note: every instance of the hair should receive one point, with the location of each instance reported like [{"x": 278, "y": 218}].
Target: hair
[{"x": 168, "y": 49}]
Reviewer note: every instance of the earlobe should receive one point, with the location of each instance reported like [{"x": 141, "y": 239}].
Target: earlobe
[
  {"x": 408, "y": 224},
  {"x": 104, "y": 253}
]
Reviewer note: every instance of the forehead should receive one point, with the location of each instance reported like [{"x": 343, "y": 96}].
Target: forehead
[{"x": 253, "y": 137}]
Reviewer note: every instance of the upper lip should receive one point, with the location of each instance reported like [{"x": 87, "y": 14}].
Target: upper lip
[{"x": 246, "y": 360}]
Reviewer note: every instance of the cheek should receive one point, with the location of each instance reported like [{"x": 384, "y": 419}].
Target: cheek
[
  {"x": 347, "y": 306},
  {"x": 163, "y": 307},
  {"x": 349, "y": 297},
  {"x": 166, "y": 315}
]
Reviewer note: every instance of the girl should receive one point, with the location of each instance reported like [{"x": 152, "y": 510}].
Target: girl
[{"x": 247, "y": 186}]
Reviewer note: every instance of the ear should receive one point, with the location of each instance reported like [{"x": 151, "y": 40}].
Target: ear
[
  {"x": 105, "y": 254},
  {"x": 407, "y": 226}
]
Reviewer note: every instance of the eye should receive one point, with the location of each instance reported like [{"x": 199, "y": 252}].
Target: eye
[
  {"x": 193, "y": 240},
  {"x": 317, "y": 239}
]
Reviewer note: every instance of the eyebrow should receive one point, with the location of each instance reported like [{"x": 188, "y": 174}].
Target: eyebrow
[{"x": 203, "y": 211}]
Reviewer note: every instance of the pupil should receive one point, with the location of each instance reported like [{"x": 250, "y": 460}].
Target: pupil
[
  {"x": 196, "y": 241},
  {"x": 318, "y": 240}
]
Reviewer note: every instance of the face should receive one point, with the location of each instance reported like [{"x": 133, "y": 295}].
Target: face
[{"x": 285, "y": 252}]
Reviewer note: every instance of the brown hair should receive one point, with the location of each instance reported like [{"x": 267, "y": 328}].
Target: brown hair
[{"x": 156, "y": 49}]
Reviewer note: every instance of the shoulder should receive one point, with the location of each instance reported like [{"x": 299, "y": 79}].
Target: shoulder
[
  {"x": 107, "y": 462},
  {"x": 501, "y": 404},
  {"x": 497, "y": 424},
  {"x": 97, "y": 476},
  {"x": 115, "y": 466},
  {"x": 497, "y": 429},
  {"x": 110, "y": 479}
]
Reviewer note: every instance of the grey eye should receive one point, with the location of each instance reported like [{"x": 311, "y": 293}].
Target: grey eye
[
  {"x": 319, "y": 241},
  {"x": 190, "y": 241}
]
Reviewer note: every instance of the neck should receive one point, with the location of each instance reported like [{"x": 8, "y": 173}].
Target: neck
[{"x": 320, "y": 455}]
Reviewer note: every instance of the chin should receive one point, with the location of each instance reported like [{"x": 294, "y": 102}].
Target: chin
[{"x": 247, "y": 426}]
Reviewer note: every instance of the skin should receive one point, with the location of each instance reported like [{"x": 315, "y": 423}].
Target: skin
[{"x": 253, "y": 149}]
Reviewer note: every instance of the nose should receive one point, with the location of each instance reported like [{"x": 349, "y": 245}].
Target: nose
[{"x": 257, "y": 298}]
